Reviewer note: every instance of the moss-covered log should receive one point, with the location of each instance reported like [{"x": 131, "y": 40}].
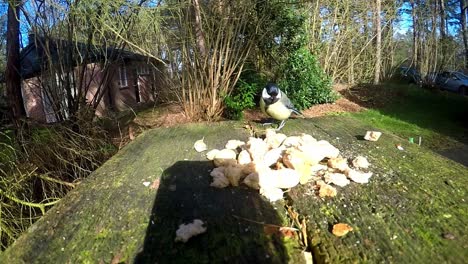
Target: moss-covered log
[{"x": 415, "y": 201}]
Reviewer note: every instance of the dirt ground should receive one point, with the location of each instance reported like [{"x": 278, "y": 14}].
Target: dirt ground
[{"x": 352, "y": 100}]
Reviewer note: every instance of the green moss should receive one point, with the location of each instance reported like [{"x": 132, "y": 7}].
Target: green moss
[
  {"x": 113, "y": 214},
  {"x": 436, "y": 117}
]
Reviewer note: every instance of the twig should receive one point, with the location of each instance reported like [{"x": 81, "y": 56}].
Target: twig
[
  {"x": 41, "y": 206},
  {"x": 261, "y": 223}
]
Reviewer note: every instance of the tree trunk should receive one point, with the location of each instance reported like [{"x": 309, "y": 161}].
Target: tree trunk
[
  {"x": 415, "y": 33},
  {"x": 463, "y": 14},
  {"x": 198, "y": 29},
  {"x": 12, "y": 73},
  {"x": 378, "y": 50},
  {"x": 443, "y": 32}
]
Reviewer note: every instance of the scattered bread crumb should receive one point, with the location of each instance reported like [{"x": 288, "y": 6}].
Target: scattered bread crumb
[{"x": 186, "y": 231}]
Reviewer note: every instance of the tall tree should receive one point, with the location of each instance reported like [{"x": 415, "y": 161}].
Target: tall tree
[
  {"x": 463, "y": 14},
  {"x": 415, "y": 31},
  {"x": 378, "y": 44},
  {"x": 443, "y": 32},
  {"x": 12, "y": 73}
]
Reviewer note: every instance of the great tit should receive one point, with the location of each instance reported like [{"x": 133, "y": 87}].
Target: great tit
[{"x": 276, "y": 104}]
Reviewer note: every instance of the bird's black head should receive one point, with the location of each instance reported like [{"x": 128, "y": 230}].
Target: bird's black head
[
  {"x": 272, "y": 89},
  {"x": 271, "y": 93}
]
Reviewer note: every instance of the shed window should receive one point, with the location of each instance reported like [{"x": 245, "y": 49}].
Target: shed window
[
  {"x": 143, "y": 70},
  {"x": 123, "y": 81}
]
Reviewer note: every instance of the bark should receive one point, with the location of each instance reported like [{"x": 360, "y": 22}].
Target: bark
[
  {"x": 415, "y": 32},
  {"x": 378, "y": 44},
  {"x": 12, "y": 73},
  {"x": 198, "y": 29},
  {"x": 463, "y": 14},
  {"x": 443, "y": 32}
]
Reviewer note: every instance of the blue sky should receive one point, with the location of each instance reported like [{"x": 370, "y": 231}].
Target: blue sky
[{"x": 405, "y": 22}]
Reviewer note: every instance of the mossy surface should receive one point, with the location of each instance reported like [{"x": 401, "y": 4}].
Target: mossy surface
[
  {"x": 414, "y": 198},
  {"x": 413, "y": 203},
  {"x": 113, "y": 216}
]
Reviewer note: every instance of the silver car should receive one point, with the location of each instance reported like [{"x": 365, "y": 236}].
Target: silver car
[{"x": 453, "y": 81}]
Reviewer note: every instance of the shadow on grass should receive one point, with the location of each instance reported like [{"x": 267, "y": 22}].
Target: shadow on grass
[
  {"x": 185, "y": 194},
  {"x": 442, "y": 112}
]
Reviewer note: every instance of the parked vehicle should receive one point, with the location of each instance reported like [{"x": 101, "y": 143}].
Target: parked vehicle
[
  {"x": 411, "y": 75},
  {"x": 453, "y": 81},
  {"x": 430, "y": 79}
]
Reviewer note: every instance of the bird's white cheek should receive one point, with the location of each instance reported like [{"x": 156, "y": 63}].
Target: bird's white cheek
[{"x": 265, "y": 94}]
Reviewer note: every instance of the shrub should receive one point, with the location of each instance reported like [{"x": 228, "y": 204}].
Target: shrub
[
  {"x": 243, "y": 97},
  {"x": 246, "y": 93},
  {"x": 304, "y": 81}
]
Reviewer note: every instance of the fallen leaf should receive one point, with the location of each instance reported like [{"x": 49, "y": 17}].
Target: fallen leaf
[
  {"x": 155, "y": 184},
  {"x": 130, "y": 133},
  {"x": 288, "y": 231},
  {"x": 372, "y": 135},
  {"x": 449, "y": 236},
  {"x": 341, "y": 229},
  {"x": 270, "y": 230},
  {"x": 116, "y": 258}
]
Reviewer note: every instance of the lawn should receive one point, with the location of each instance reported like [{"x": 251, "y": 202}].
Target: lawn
[{"x": 439, "y": 118}]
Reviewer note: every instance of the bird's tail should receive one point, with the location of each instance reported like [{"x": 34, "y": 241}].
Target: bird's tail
[{"x": 297, "y": 112}]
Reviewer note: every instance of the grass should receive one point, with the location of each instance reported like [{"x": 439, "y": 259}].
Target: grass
[{"x": 439, "y": 118}]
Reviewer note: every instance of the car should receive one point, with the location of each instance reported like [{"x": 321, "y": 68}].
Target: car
[
  {"x": 430, "y": 79},
  {"x": 411, "y": 75},
  {"x": 453, "y": 81}
]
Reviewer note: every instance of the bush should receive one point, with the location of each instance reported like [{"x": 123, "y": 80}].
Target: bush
[
  {"x": 243, "y": 97},
  {"x": 305, "y": 82}
]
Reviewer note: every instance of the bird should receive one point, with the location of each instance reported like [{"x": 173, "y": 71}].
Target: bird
[{"x": 276, "y": 104}]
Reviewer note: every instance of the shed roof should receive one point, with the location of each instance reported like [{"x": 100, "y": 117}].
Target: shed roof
[{"x": 34, "y": 57}]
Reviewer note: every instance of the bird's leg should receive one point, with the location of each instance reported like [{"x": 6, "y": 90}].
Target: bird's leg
[
  {"x": 281, "y": 125},
  {"x": 268, "y": 123}
]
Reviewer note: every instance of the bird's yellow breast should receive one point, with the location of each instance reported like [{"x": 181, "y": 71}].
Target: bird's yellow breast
[{"x": 277, "y": 110}]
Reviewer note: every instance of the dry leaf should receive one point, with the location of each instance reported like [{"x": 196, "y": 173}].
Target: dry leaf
[
  {"x": 130, "y": 133},
  {"x": 270, "y": 229},
  {"x": 116, "y": 259},
  {"x": 341, "y": 229},
  {"x": 288, "y": 231},
  {"x": 155, "y": 184},
  {"x": 372, "y": 135}
]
